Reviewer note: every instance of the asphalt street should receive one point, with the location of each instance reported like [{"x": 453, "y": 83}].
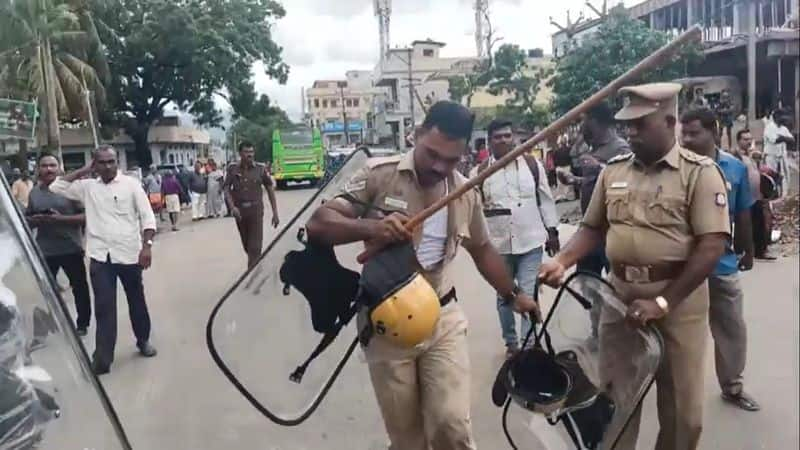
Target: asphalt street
[{"x": 180, "y": 400}]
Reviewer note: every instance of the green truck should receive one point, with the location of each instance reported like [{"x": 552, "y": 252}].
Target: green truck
[{"x": 297, "y": 155}]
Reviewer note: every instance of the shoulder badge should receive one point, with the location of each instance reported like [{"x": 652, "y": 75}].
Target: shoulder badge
[
  {"x": 694, "y": 158},
  {"x": 620, "y": 158},
  {"x": 378, "y": 161}
]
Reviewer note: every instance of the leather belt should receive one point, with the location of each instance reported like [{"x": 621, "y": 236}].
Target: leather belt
[
  {"x": 496, "y": 212},
  {"x": 648, "y": 274},
  {"x": 447, "y": 298}
]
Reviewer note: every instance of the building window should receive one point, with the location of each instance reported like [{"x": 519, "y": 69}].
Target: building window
[
  {"x": 316, "y": 103},
  {"x": 355, "y": 102},
  {"x": 334, "y": 103},
  {"x": 427, "y": 52},
  {"x": 348, "y": 103},
  {"x": 171, "y": 157},
  {"x": 324, "y": 103}
]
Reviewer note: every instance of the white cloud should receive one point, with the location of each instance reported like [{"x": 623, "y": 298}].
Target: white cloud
[{"x": 323, "y": 39}]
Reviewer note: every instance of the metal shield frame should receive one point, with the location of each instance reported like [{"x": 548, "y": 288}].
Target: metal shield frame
[
  {"x": 554, "y": 325},
  {"x": 256, "y": 278},
  {"x": 68, "y": 364}
]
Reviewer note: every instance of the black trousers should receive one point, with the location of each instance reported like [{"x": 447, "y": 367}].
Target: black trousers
[
  {"x": 762, "y": 226},
  {"x": 104, "y": 284},
  {"x": 75, "y": 269}
]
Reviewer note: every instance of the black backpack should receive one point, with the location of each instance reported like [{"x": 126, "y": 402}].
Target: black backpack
[{"x": 331, "y": 292}]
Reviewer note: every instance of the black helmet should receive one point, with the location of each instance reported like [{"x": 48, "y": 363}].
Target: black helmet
[{"x": 537, "y": 382}]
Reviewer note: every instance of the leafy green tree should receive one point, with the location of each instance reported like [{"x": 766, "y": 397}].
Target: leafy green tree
[
  {"x": 463, "y": 87},
  {"x": 255, "y": 119},
  {"x": 46, "y": 53},
  {"x": 619, "y": 43},
  {"x": 183, "y": 52},
  {"x": 511, "y": 75}
]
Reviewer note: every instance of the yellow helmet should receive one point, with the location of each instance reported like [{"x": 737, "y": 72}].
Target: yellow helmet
[
  {"x": 402, "y": 306},
  {"x": 408, "y": 315}
]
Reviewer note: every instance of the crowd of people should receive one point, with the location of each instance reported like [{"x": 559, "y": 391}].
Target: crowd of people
[
  {"x": 101, "y": 213},
  {"x": 703, "y": 212},
  {"x": 199, "y": 189}
]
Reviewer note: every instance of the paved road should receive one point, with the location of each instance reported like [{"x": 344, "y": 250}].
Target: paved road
[{"x": 179, "y": 400}]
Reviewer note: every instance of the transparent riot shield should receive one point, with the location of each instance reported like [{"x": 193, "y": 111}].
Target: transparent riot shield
[
  {"x": 262, "y": 334},
  {"x": 49, "y": 397},
  {"x": 611, "y": 366}
]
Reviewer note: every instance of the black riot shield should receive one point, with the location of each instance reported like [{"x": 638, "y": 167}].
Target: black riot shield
[
  {"x": 49, "y": 397},
  {"x": 608, "y": 372},
  {"x": 285, "y": 330}
]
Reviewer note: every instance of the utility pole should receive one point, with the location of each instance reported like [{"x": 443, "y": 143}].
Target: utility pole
[
  {"x": 342, "y": 84},
  {"x": 411, "y": 88},
  {"x": 751, "y": 63}
]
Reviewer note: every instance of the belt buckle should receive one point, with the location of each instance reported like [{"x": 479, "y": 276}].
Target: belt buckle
[
  {"x": 246, "y": 204},
  {"x": 637, "y": 274}
]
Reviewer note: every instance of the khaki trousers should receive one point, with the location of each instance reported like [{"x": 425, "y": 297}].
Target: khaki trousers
[
  {"x": 680, "y": 378},
  {"x": 424, "y": 393}
]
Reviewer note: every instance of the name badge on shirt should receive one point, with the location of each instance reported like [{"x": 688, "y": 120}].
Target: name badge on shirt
[
  {"x": 395, "y": 203},
  {"x": 619, "y": 185}
]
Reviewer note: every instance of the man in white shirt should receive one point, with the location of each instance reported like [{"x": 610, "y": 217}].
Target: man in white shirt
[
  {"x": 120, "y": 226},
  {"x": 776, "y": 138},
  {"x": 521, "y": 214}
]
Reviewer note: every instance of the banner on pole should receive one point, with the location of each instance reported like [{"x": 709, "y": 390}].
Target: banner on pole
[{"x": 17, "y": 119}]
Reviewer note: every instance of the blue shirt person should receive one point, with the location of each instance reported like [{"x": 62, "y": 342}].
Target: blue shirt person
[{"x": 739, "y": 199}]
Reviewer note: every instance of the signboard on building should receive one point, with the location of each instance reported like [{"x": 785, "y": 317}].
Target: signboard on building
[
  {"x": 338, "y": 127},
  {"x": 17, "y": 119}
]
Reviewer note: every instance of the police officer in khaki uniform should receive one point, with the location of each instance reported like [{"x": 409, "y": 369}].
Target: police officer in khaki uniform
[
  {"x": 423, "y": 392},
  {"x": 663, "y": 210},
  {"x": 245, "y": 200}
]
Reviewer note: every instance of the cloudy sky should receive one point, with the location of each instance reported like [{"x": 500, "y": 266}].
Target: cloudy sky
[{"x": 322, "y": 38}]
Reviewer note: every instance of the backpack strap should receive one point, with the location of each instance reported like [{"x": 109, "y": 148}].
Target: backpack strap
[
  {"x": 533, "y": 165},
  {"x": 481, "y": 167}
]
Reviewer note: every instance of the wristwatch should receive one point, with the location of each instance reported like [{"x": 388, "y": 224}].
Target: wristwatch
[
  {"x": 662, "y": 303},
  {"x": 509, "y": 298},
  {"x": 149, "y": 242}
]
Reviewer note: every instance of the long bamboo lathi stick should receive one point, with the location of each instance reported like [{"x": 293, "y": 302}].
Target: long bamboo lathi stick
[{"x": 654, "y": 60}]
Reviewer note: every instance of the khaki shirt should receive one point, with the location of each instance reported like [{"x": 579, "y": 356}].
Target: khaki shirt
[
  {"x": 245, "y": 184},
  {"x": 390, "y": 185},
  {"x": 653, "y": 214}
]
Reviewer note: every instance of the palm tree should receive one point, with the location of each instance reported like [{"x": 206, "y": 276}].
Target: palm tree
[{"x": 45, "y": 50}]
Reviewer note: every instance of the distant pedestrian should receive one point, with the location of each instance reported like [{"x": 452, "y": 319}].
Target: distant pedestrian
[
  {"x": 726, "y": 305},
  {"x": 152, "y": 186},
  {"x": 214, "y": 197},
  {"x": 246, "y": 200},
  {"x": 725, "y": 113},
  {"x": 171, "y": 189},
  {"x": 183, "y": 177},
  {"x": 58, "y": 222},
  {"x": 481, "y": 150},
  {"x": 21, "y": 188},
  {"x": 761, "y": 212},
  {"x": 198, "y": 191},
  {"x": 776, "y": 139},
  {"x": 120, "y": 226}
]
